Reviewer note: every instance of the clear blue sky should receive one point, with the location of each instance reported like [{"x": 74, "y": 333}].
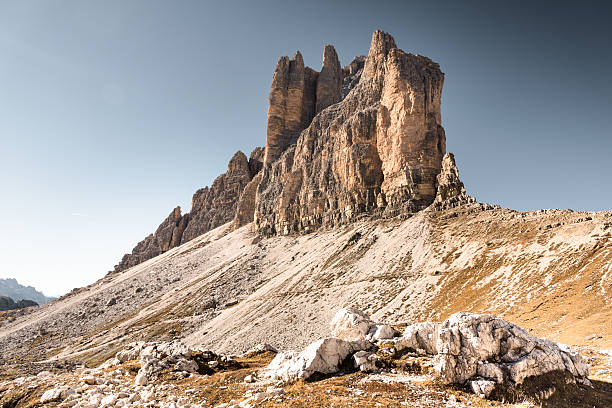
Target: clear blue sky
[{"x": 114, "y": 112}]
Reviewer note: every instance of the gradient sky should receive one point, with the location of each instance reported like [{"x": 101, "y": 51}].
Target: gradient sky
[{"x": 114, "y": 112}]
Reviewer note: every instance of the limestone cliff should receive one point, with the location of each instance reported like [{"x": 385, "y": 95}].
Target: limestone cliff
[{"x": 381, "y": 147}]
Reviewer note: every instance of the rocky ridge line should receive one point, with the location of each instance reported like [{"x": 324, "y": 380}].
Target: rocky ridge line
[{"x": 211, "y": 207}]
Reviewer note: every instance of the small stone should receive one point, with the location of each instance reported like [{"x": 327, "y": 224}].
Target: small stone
[
  {"x": 54, "y": 394},
  {"x": 141, "y": 379},
  {"x": 89, "y": 380},
  {"x": 482, "y": 388}
]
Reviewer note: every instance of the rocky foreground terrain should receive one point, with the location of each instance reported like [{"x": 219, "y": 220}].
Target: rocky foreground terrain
[
  {"x": 547, "y": 271},
  {"x": 352, "y": 203}
]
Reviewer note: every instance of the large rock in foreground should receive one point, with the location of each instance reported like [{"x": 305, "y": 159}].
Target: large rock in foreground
[
  {"x": 493, "y": 357},
  {"x": 324, "y": 356},
  {"x": 488, "y": 352}
]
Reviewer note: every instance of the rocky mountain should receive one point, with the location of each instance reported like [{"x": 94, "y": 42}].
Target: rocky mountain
[
  {"x": 352, "y": 203},
  {"x": 6, "y": 303},
  {"x": 340, "y": 143},
  {"x": 379, "y": 149},
  {"x": 211, "y": 207},
  {"x": 12, "y": 289}
]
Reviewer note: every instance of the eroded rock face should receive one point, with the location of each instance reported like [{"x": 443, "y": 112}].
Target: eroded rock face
[
  {"x": 296, "y": 95},
  {"x": 352, "y": 74},
  {"x": 291, "y": 104},
  {"x": 246, "y": 205},
  {"x": 256, "y": 160},
  {"x": 245, "y": 209},
  {"x": 380, "y": 147}
]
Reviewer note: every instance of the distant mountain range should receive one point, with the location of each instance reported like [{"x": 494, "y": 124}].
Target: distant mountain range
[{"x": 11, "y": 288}]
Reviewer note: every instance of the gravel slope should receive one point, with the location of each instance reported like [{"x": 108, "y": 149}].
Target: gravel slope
[{"x": 549, "y": 271}]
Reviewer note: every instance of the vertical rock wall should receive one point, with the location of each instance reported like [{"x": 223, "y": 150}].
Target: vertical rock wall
[
  {"x": 380, "y": 148},
  {"x": 297, "y": 93}
]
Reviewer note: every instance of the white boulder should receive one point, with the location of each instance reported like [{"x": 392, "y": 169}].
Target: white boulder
[
  {"x": 351, "y": 324},
  {"x": 473, "y": 347},
  {"x": 323, "y": 356},
  {"x": 420, "y": 336},
  {"x": 54, "y": 394}
]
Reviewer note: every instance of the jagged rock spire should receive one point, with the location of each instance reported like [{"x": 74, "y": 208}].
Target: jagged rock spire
[
  {"x": 329, "y": 83},
  {"x": 381, "y": 43},
  {"x": 450, "y": 189},
  {"x": 291, "y": 104}
]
